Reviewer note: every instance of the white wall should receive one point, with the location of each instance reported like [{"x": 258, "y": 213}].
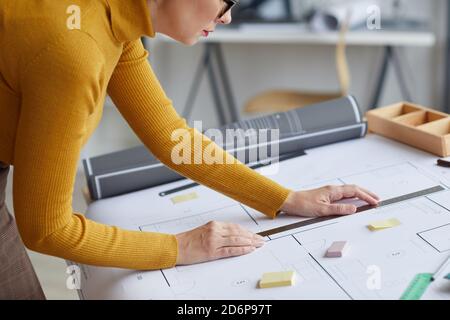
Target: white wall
[{"x": 254, "y": 68}]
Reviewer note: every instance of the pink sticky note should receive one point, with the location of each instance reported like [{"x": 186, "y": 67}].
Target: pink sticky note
[{"x": 337, "y": 249}]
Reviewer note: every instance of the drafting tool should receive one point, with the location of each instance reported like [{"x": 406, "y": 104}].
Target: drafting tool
[
  {"x": 421, "y": 281},
  {"x": 360, "y": 209},
  {"x": 443, "y": 163},
  {"x": 441, "y": 269},
  {"x": 417, "y": 287}
]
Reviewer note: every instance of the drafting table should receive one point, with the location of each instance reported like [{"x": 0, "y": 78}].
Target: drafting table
[{"x": 378, "y": 265}]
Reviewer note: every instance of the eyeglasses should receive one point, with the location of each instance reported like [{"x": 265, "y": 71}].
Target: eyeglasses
[{"x": 229, "y": 4}]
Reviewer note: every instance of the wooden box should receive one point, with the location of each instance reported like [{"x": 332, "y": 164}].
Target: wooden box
[{"x": 420, "y": 127}]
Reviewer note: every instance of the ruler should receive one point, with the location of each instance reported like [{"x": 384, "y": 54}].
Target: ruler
[
  {"x": 360, "y": 209},
  {"x": 417, "y": 287}
]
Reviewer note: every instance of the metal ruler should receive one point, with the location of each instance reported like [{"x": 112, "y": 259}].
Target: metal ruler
[
  {"x": 417, "y": 287},
  {"x": 360, "y": 209}
]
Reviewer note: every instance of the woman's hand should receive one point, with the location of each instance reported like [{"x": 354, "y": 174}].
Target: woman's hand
[
  {"x": 321, "y": 202},
  {"x": 215, "y": 240}
]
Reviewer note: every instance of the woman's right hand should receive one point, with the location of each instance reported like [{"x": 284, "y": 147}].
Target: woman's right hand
[{"x": 215, "y": 240}]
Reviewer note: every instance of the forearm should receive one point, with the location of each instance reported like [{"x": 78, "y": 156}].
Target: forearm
[
  {"x": 88, "y": 242},
  {"x": 226, "y": 175},
  {"x": 141, "y": 100}
]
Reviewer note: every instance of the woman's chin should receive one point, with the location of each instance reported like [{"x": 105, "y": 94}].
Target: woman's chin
[
  {"x": 184, "y": 39},
  {"x": 191, "y": 41}
]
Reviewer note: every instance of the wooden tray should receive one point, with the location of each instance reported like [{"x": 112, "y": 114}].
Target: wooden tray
[{"x": 420, "y": 127}]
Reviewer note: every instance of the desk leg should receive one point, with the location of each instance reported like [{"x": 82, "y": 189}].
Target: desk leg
[
  {"x": 381, "y": 78},
  {"x": 226, "y": 83},
  {"x": 389, "y": 56},
  {"x": 401, "y": 79},
  {"x": 193, "y": 91},
  {"x": 214, "y": 81},
  {"x": 219, "y": 82}
]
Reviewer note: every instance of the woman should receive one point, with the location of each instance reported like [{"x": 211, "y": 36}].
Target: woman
[{"x": 54, "y": 74}]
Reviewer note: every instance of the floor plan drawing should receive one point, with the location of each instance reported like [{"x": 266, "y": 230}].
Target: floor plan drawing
[{"x": 378, "y": 264}]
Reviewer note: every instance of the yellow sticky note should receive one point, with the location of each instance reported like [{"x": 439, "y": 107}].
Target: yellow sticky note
[
  {"x": 184, "y": 198},
  {"x": 384, "y": 224},
  {"x": 277, "y": 279}
]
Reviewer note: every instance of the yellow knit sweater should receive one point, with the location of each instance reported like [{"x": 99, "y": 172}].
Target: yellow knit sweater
[{"x": 53, "y": 82}]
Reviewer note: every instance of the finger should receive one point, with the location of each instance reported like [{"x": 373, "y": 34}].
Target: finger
[
  {"x": 233, "y": 240},
  {"x": 371, "y": 193},
  {"x": 350, "y": 191},
  {"x": 227, "y": 252},
  {"x": 236, "y": 241},
  {"x": 229, "y": 229},
  {"x": 339, "y": 209},
  {"x": 233, "y": 229}
]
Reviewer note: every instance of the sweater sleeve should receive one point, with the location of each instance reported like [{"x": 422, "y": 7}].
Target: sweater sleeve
[
  {"x": 139, "y": 97},
  {"x": 60, "y": 89}
]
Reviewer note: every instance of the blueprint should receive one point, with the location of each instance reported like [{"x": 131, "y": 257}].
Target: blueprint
[{"x": 378, "y": 265}]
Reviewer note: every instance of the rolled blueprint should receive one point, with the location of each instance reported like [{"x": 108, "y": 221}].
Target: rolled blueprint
[{"x": 297, "y": 130}]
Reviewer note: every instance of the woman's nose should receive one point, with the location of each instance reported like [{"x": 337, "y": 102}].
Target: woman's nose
[{"x": 226, "y": 19}]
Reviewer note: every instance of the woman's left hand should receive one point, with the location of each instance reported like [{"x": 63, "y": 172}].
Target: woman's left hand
[{"x": 321, "y": 202}]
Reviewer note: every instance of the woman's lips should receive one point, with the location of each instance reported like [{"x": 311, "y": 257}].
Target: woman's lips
[{"x": 205, "y": 33}]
